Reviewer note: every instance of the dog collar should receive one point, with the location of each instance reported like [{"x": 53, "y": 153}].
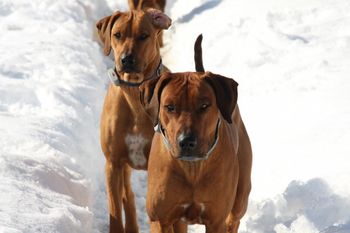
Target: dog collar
[
  {"x": 216, "y": 139},
  {"x": 158, "y": 128},
  {"x": 115, "y": 79}
]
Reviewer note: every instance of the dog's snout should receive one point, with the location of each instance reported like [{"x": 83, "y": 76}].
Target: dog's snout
[
  {"x": 127, "y": 59},
  {"x": 187, "y": 142}
]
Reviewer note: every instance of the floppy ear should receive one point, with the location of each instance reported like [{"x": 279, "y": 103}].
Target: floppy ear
[
  {"x": 104, "y": 28},
  {"x": 159, "y": 19},
  {"x": 150, "y": 92},
  {"x": 226, "y": 93}
]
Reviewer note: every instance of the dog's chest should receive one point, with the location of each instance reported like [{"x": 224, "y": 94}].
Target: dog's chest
[{"x": 136, "y": 144}]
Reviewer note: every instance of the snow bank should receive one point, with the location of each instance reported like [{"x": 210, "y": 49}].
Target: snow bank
[{"x": 303, "y": 207}]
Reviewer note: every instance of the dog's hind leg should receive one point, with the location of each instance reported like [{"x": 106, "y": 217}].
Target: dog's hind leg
[
  {"x": 244, "y": 183},
  {"x": 232, "y": 224},
  {"x": 129, "y": 203}
]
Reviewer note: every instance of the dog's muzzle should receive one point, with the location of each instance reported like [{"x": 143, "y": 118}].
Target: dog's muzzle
[
  {"x": 128, "y": 63},
  {"x": 188, "y": 143}
]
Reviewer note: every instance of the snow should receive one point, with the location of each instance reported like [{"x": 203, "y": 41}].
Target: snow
[
  {"x": 51, "y": 88},
  {"x": 303, "y": 207},
  {"x": 291, "y": 59}
]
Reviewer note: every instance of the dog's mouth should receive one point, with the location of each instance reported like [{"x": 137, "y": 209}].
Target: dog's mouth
[
  {"x": 130, "y": 70},
  {"x": 189, "y": 156}
]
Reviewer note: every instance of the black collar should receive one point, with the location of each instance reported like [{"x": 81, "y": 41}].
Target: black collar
[{"x": 115, "y": 79}]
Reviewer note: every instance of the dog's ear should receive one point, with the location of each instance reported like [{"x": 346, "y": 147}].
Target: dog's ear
[
  {"x": 150, "y": 92},
  {"x": 159, "y": 19},
  {"x": 226, "y": 93},
  {"x": 104, "y": 28}
]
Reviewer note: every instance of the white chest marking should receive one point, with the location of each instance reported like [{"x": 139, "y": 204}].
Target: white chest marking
[{"x": 136, "y": 144}]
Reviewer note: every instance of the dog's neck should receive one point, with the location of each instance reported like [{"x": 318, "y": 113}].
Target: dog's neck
[
  {"x": 193, "y": 171},
  {"x": 131, "y": 93}
]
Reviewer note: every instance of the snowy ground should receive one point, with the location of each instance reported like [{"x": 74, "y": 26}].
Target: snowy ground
[{"x": 291, "y": 59}]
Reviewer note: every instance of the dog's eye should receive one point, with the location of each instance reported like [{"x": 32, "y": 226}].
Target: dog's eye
[
  {"x": 143, "y": 36},
  {"x": 118, "y": 35},
  {"x": 170, "y": 108},
  {"x": 203, "y": 107}
]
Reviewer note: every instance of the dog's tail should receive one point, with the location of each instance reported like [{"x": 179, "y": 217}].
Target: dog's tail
[{"x": 198, "y": 59}]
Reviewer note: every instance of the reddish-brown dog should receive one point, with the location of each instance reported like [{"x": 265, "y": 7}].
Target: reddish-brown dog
[
  {"x": 126, "y": 130},
  {"x": 200, "y": 161}
]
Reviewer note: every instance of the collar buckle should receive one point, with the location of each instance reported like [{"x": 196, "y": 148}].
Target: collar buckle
[{"x": 113, "y": 76}]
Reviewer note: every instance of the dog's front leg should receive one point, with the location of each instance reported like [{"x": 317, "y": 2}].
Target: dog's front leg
[
  {"x": 216, "y": 228},
  {"x": 114, "y": 182},
  {"x": 180, "y": 227},
  {"x": 157, "y": 227},
  {"x": 129, "y": 203}
]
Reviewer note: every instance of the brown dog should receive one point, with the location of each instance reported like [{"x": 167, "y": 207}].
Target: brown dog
[
  {"x": 144, "y": 5},
  {"x": 200, "y": 160},
  {"x": 126, "y": 131}
]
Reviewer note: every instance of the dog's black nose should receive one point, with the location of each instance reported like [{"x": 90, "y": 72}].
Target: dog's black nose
[
  {"x": 187, "y": 142},
  {"x": 127, "y": 60}
]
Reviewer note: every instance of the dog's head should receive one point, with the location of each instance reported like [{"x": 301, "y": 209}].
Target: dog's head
[
  {"x": 133, "y": 37},
  {"x": 188, "y": 107}
]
